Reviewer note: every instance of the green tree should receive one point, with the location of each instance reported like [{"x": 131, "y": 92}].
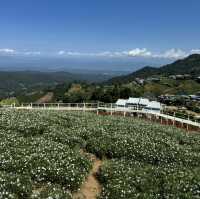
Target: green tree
[{"x": 9, "y": 101}]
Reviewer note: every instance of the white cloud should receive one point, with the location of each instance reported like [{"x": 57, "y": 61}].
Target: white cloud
[
  {"x": 195, "y": 51},
  {"x": 109, "y": 54},
  {"x": 70, "y": 53},
  {"x": 7, "y": 51},
  {"x": 172, "y": 54},
  {"x": 139, "y": 53},
  {"x": 105, "y": 54},
  {"x": 32, "y": 53},
  {"x": 133, "y": 53},
  {"x": 61, "y": 52},
  {"x": 76, "y": 54}
]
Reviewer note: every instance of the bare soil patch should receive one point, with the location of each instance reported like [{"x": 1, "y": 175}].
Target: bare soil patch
[
  {"x": 46, "y": 98},
  {"x": 91, "y": 188}
]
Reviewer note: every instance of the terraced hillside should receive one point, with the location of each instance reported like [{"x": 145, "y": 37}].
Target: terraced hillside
[{"x": 46, "y": 154}]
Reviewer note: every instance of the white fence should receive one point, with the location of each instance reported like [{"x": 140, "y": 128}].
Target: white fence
[
  {"x": 61, "y": 106},
  {"x": 112, "y": 109}
]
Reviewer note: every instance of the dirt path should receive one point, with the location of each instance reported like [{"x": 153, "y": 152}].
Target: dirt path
[
  {"x": 91, "y": 188},
  {"x": 46, "y": 98}
]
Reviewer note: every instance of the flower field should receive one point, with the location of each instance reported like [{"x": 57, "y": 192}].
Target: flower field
[{"x": 40, "y": 156}]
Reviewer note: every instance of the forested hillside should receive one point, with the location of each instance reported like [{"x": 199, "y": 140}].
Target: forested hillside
[
  {"x": 189, "y": 65},
  {"x": 25, "y": 82}
]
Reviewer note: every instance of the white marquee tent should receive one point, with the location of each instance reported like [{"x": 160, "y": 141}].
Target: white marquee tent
[
  {"x": 153, "y": 106},
  {"x": 121, "y": 103}
]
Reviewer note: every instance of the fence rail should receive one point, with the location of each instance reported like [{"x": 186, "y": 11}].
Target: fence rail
[{"x": 112, "y": 109}]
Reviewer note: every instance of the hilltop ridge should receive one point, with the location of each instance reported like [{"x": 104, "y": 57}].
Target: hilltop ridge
[{"x": 189, "y": 65}]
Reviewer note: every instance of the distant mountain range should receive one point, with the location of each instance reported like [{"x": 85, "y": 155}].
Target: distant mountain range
[
  {"x": 48, "y": 77},
  {"x": 18, "y": 82},
  {"x": 189, "y": 65},
  {"x": 15, "y": 83}
]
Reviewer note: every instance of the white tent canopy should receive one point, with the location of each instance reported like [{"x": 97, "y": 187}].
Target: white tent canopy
[
  {"x": 153, "y": 106},
  {"x": 133, "y": 101},
  {"x": 144, "y": 102},
  {"x": 121, "y": 102},
  {"x": 138, "y": 101}
]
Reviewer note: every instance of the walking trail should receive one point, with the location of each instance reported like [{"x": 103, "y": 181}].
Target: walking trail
[{"x": 91, "y": 188}]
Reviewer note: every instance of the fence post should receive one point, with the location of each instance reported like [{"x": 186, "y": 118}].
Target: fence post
[
  {"x": 84, "y": 107},
  {"x": 98, "y": 108},
  {"x": 187, "y": 127},
  {"x": 174, "y": 119},
  {"x": 187, "y": 123},
  {"x": 111, "y": 110},
  {"x": 69, "y": 106},
  {"x": 124, "y": 113}
]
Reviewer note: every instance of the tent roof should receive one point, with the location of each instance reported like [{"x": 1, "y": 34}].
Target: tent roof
[
  {"x": 144, "y": 101},
  {"x": 121, "y": 102},
  {"x": 154, "y": 104},
  {"x": 133, "y": 100}
]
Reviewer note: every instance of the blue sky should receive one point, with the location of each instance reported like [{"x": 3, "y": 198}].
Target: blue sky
[{"x": 100, "y": 28}]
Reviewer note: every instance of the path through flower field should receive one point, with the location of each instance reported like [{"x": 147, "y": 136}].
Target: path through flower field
[{"x": 91, "y": 188}]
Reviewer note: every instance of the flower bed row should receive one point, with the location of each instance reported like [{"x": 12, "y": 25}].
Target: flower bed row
[
  {"x": 146, "y": 160},
  {"x": 34, "y": 148},
  {"x": 127, "y": 180}
]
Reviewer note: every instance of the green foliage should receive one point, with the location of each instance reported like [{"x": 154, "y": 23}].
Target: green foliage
[
  {"x": 40, "y": 156},
  {"x": 77, "y": 93},
  {"x": 21, "y": 83},
  {"x": 126, "y": 179},
  {"x": 51, "y": 191},
  {"x": 9, "y": 101},
  {"x": 30, "y": 97},
  {"x": 189, "y": 65},
  {"x": 34, "y": 148},
  {"x": 14, "y": 186}
]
